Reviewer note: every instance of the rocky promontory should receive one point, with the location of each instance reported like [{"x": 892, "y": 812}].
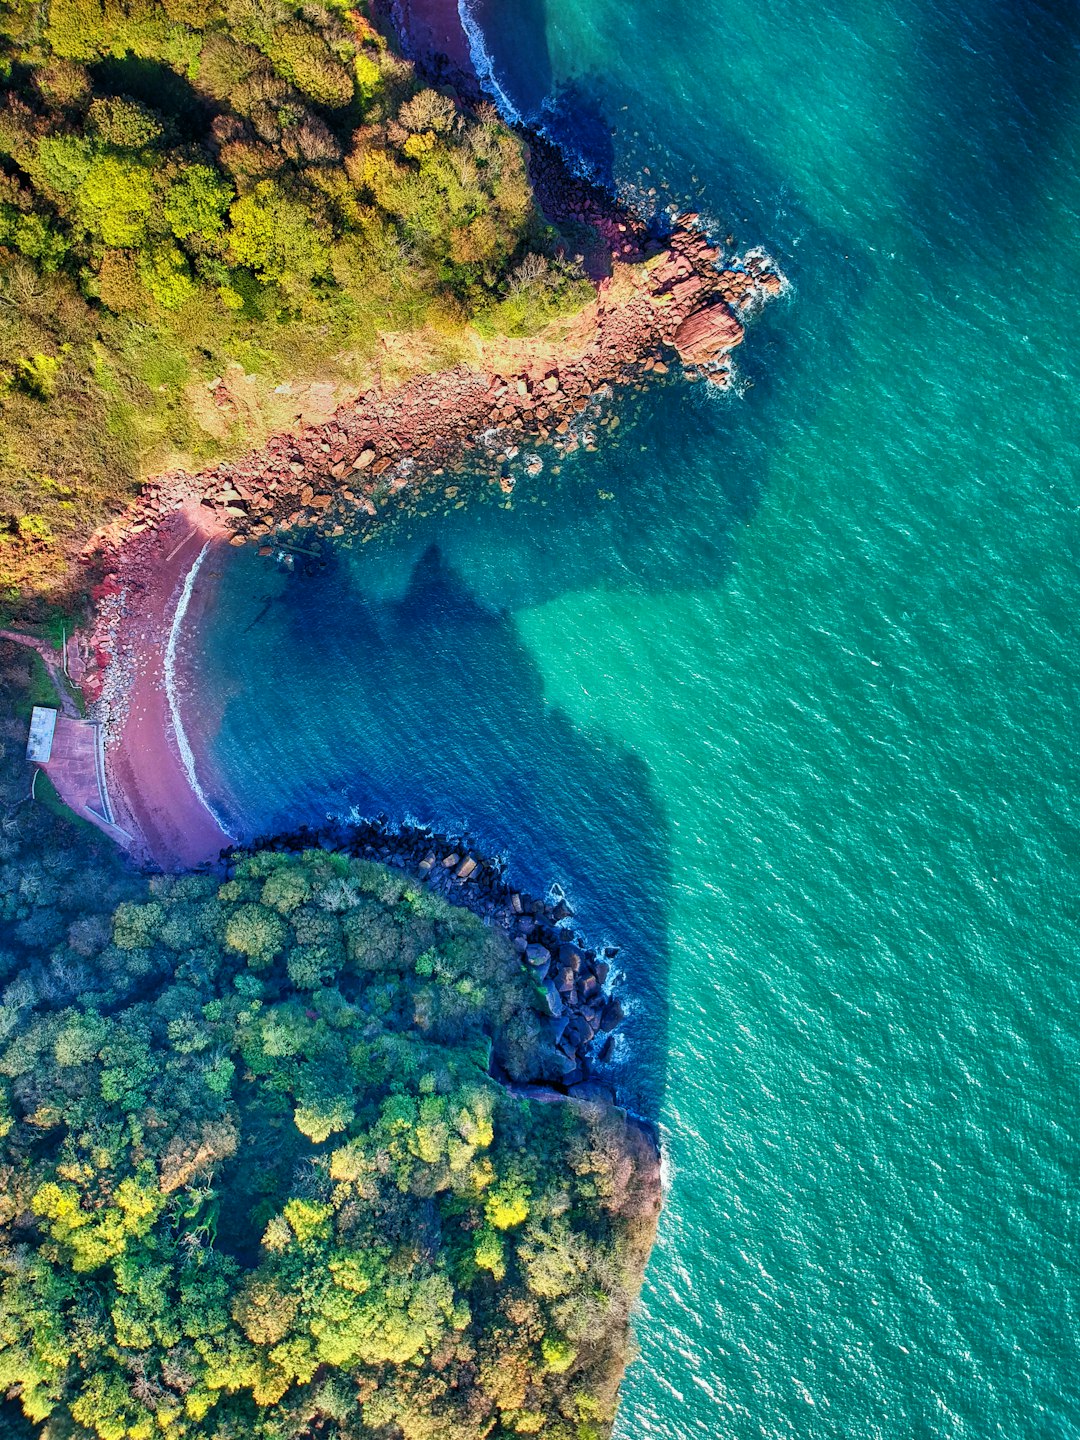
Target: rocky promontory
[
  {"x": 572, "y": 978},
  {"x": 680, "y": 304}
]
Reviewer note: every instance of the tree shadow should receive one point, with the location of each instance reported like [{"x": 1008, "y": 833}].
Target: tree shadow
[
  {"x": 158, "y": 86},
  {"x": 426, "y": 706},
  {"x": 14, "y": 1424},
  {"x": 429, "y": 707}
]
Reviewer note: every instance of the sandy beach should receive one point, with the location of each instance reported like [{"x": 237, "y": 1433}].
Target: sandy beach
[{"x": 149, "y": 786}]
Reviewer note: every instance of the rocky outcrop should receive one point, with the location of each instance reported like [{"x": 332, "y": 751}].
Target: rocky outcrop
[
  {"x": 706, "y": 335},
  {"x": 376, "y": 454},
  {"x": 386, "y": 444},
  {"x": 572, "y": 979}
]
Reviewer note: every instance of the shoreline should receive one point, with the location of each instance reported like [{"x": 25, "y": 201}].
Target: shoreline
[
  {"x": 433, "y": 37},
  {"x": 571, "y": 976},
  {"x": 140, "y": 613},
  {"x": 338, "y": 479},
  {"x": 676, "y": 307},
  {"x": 183, "y": 745},
  {"x": 657, "y": 303}
]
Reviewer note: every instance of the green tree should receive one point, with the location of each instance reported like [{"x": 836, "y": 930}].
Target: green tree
[
  {"x": 124, "y": 123},
  {"x": 301, "y": 54},
  {"x": 137, "y": 925},
  {"x": 183, "y": 1254},
  {"x": 165, "y": 272},
  {"x": 256, "y": 932},
  {"x": 277, "y": 236},
  {"x": 196, "y": 202},
  {"x": 116, "y": 198},
  {"x": 490, "y": 1252}
]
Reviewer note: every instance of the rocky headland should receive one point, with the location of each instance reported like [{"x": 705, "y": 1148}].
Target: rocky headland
[
  {"x": 678, "y": 304},
  {"x": 573, "y": 978},
  {"x": 664, "y": 305}
]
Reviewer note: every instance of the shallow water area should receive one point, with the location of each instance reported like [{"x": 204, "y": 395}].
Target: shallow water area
[{"x": 782, "y": 691}]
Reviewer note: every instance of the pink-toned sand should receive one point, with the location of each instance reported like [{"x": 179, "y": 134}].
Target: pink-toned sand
[{"x": 148, "y": 785}]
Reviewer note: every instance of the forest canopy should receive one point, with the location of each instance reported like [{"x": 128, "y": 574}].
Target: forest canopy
[
  {"x": 192, "y": 185},
  {"x": 259, "y": 1178}
]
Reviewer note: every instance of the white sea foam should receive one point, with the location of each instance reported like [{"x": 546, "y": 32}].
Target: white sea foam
[
  {"x": 667, "y": 1168},
  {"x": 485, "y": 66},
  {"x": 187, "y": 759}
]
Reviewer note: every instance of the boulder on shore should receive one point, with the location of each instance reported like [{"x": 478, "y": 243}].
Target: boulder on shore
[
  {"x": 553, "y": 999},
  {"x": 593, "y": 1091},
  {"x": 707, "y": 334}
]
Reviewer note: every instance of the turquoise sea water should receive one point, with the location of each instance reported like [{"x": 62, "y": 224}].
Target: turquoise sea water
[{"x": 792, "y": 717}]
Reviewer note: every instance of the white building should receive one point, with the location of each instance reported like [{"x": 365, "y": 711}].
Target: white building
[{"x": 42, "y": 729}]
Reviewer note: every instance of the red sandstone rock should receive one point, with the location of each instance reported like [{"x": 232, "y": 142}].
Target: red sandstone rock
[
  {"x": 674, "y": 301},
  {"x": 707, "y": 334}
]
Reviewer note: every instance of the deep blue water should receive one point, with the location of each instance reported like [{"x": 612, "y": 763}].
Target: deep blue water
[{"x": 792, "y": 715}]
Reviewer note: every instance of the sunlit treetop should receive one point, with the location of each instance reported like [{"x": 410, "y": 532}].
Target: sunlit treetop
[{"x": 260, "y": 1180}]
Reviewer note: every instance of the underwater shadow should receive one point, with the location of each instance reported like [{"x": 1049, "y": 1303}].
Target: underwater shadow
[
  {"x": 430, "y": 709},
  {"x": 1003, "y": 110},
  {"x": 515, "y": 40}
]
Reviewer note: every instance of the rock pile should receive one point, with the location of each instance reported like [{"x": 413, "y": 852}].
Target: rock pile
[
  {"x": 572, "y": 980},
  {"x": 607, "y": 230},
  {"x": 377, "y": 452},
  {"x": 383, "y": 444}
]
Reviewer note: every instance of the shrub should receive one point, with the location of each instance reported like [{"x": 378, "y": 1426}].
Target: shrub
[
  {"x": 196, "y": 202},
  {"x": 558, "y": 1354},
  {"x": 165, "y": 273},
  {"x": 36, "y": 375}
]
